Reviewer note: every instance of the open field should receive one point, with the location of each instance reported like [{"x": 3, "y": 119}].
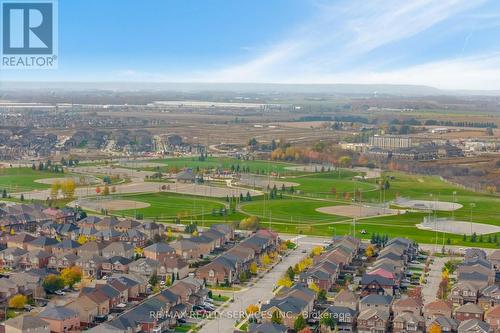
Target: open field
[
  {"x": 24, "y": 179},
  {"x": 163, "y": 206},
  {"x": 318, "y": 205},
  {"x": 256, "y": 166}
]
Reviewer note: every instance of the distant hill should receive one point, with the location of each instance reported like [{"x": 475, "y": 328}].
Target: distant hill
[{"x": 341, "y": 89}]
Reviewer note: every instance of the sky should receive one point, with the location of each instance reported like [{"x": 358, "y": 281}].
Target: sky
[{"x": 448, "y": 44}]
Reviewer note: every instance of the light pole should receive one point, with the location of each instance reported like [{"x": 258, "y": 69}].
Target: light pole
[{"x": 470, "y": 219}]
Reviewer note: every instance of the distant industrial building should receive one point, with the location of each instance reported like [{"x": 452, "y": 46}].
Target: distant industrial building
[{"x": 390, "y": 141}]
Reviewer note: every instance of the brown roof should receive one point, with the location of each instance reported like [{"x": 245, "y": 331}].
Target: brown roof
[
  {"x": 407, "y": 303},
  {"x": 493, "y": 312},
  {"x": 469, "y": 308},
  {"x": 346, "y": 296},
  {"x": 438, "y": 305}
]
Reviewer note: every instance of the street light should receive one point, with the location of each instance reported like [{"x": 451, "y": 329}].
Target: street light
[{"x": 472, "y": 204}]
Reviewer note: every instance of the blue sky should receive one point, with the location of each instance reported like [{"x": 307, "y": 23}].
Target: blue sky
[{"x": 449, "y": 44}]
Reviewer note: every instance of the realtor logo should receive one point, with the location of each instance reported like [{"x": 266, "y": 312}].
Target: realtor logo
[{"x": 29, "y": 34}]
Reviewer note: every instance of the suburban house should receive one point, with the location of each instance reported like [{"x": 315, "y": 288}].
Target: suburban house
[
  {"x": 407, "y": 322},
  {"x": 492, "y": 317},
  {"x": 468, "y": 311},
  {"x": 373, "y": 321},
  {"x": 437, "y": 308},
  {"x": 60, "y": 319},
  {"x": 26, "y": 324},
  {"x": 473, "y": 326}
]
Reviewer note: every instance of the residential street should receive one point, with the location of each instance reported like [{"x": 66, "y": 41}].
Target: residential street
[
  {"x": 430, "y": 290},
  {"x": 261, "y": 291}
]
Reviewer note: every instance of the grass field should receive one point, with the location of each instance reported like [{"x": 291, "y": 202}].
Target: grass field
[
  {"x": 296, "y": 213},
  {"x": 321, "y": 184},
  {"x": 256, "y": 166},
  {"x": 166, "y": 206},
  {"x": 23, "y": 179}
]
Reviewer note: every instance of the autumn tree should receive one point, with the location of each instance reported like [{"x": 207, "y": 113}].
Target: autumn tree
[
  {"x": 68, "y": 188},
  {"x": 285, "y": 282},
  {"x": 52, "y": 283},
  {"x": 71, "y": 275},
  {"x": 18, "y": 301},
  {"x": 314, "y": 287},
  {"x": 54, "y": 190},
  {"x": 345, "y": 161},
  {"x": 266, "y": 260},
  {"x": 370, "y": 251},
  {"x": 250, "y": 223},
  {"x": 253, "y": 268},
  {"x": 252, "y": 309},
  {"x": 317, "y": 250},
  {"x": 106, "y": 190},
  {"x": 435, "y": 328}
]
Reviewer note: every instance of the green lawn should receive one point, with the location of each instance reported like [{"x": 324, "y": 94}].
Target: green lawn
[
  {"x": 256, "y": 166},
  {"x": 166, "y": 206},
  {"x": 319, "y": 184},
  {"x": 297, "y": 211},
  {"x": 23, "y": 179}
]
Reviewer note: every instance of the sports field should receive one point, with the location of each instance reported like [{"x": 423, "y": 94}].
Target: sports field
[
  {"x": 211, "y": 163},
  {"x": 318, "y": 203},
  {"x": 24, "y": 179},
  {"x": 166, "y": 206}
]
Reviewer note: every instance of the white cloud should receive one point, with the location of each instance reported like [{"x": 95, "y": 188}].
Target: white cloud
[{"x": 324, "y": 48}]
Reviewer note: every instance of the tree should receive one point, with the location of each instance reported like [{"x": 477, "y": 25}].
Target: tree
[
  {"x": 290, "y": 273},
  {"x": 105, "y": 192},
  {"x": 71, "y": 275},
  {"x": 68, "y": 188},
  {"x": 345, "y": 161},
  {"x": 18, "y": 301},
  {"x": 82, "y": 239},
  {"x": 266, "y": 260},
  {"x": 435, "y": 328},
  {"x": 53, "y": 283},
  {"x": 370, "y": 251},
  {"x": 328, "y": 322},
  {"x": 317, "y": 250},
  {"x": 253, "y": 268},
  {"x": 322, "y": 295},
  {"x": 54, "y": 190},
  {"x": 191, "y": 228},
  {"x": 314, "y": 287},
  {"x": 299, "y": 323},
  {"x": 276, "y": 318},
  {"x": 153, "y": 279},
  {"x": 250, "y": 223},
  {"x": 252, "y": 309},
  {"x": 285, "y": 282}
]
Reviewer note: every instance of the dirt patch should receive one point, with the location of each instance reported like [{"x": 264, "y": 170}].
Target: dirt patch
[
  {"x": 427, "y": 204},
  {"x": 85, "y": 180},
  {"x": 460, "y": 227},
  {"x": 112, "y": 205},
  {"x": 263, "y": 182},
  {"x": 357, "y": 211}
]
